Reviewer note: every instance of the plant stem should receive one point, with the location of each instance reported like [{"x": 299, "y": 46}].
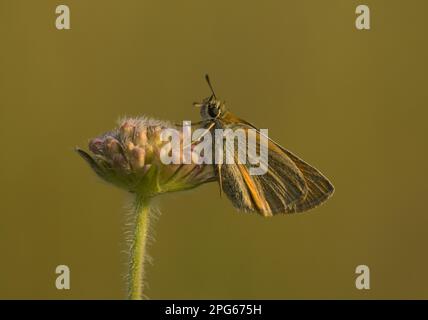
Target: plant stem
[{"x": 138, "y": 254}]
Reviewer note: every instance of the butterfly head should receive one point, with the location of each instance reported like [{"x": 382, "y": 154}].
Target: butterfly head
[{"x": 211, "y": 107}]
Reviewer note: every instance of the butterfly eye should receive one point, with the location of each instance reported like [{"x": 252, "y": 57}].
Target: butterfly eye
[{"x": 213, "y": 111}]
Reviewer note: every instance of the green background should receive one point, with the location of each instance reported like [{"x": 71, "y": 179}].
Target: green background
[{"x": 352, "y": 103}]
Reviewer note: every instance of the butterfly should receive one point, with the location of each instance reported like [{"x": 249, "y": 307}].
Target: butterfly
[{"x": 289, "y": 184}]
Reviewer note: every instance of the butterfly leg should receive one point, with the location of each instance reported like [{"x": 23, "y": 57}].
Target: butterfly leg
[
  {"x": 193, "y": 123},
  {"x": 220, "y": 184},
  {"x": 201, "y": 136}
]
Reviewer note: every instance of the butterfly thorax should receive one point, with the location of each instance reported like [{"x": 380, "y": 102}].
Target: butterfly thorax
[{"x": 212, "y": 109}]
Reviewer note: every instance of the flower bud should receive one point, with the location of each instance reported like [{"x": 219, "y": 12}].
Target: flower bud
[{"x": 129, "y": 157}]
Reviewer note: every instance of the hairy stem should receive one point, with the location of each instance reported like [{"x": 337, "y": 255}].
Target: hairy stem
[{"x": 138, "y": 252}]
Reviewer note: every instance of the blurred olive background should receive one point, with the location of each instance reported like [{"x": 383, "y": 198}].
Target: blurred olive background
[{"x": 352, "y": 103}]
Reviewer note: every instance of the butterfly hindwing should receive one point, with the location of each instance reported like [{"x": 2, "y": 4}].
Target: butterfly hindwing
[
  {"x": 289, "y": 184},
  {"x": 276, "y": 191}
]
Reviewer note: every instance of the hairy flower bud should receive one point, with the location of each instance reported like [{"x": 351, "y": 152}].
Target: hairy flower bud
[{"x": 129, "y": 157}]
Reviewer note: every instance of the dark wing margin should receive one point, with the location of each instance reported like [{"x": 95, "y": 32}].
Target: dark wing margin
[{"x": 319, "y": 188}]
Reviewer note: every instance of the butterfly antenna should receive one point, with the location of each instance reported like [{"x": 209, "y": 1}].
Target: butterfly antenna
[{"x": 207, "y": 78}]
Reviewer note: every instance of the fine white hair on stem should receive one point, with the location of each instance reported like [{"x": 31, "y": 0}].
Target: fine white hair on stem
[
  {"x": 129, "y": 158},
  {"x": 139, "y": 236}
]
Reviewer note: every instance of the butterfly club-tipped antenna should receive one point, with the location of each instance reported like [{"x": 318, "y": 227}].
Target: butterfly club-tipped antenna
[
  {"x": 207, "y": 78},
  {"x": 199, "y": 104}
]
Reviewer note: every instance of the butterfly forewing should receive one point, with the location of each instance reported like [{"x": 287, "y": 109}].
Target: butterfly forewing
[{"x": 289, "y": 184}]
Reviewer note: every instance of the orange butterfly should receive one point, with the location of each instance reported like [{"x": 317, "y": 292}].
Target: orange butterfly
[{"x": 289, "y": 184}]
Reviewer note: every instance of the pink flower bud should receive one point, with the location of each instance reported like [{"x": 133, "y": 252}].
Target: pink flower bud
[{"x": 126, "y": 155}]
